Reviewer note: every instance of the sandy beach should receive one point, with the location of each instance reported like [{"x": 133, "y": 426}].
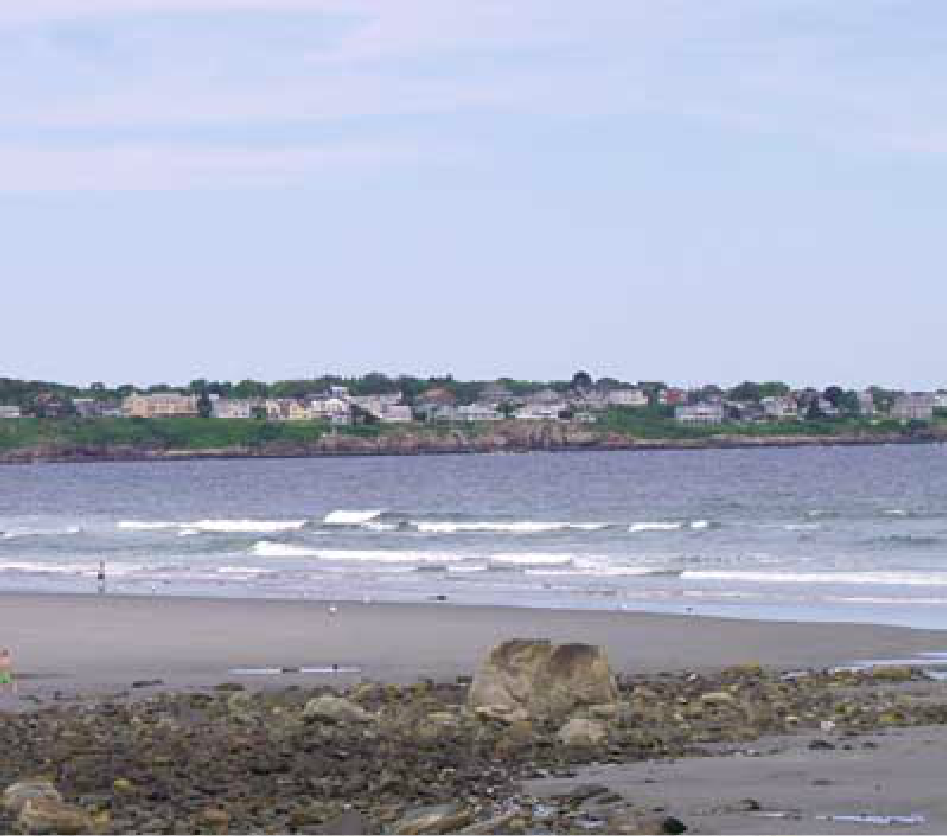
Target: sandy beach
[
  {"x": 78, "y": 642},
  {"x": 751, "y": 752}
]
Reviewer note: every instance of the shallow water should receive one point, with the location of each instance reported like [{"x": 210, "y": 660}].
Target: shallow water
[{"x": 852, "y": 534}]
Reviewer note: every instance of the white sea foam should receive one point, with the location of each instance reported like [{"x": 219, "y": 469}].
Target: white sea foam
[
  {"x": 146, "y": 525},
  {"x": 246, "y": 526},
  {"x": 16, "y": 533},
  {"x": 635, "y": 528},
  {"x": 700, "y": 524},
  {"x": 460, "y": 567},
  {"x": 841, "y": 577},
  {"x": 896, "y": 512},
  {"x": 215, "y": 526},
  {"x": 39, "y": 567},
  {"x": 530, "y": 559},
  {"x": 265, "y": 548},
  {"x": 241, "y": 570},
  {"x": 350, "y": 517},
  {"x": 606, "y": 571},
  {"x": 513, "y": 527},
  {"x": 802, "y": 526}
]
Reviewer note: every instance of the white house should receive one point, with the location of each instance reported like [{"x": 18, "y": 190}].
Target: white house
[
  {"x": 9, "y": 411},
  {"x": 701, "y": 413},
  {"x": 396, "y": 414},
  {"x": 538, "y": 412},
  {"x": 780, "y": 407},
  {"x": 476, "y": 412},
  {"x": 918, "y": 406},
  {"x": 231, "y": 408},
  {"x": 940, "y": 400},
  {"x": 627, "y": 397},
  {"x": 866, "y": 402}
]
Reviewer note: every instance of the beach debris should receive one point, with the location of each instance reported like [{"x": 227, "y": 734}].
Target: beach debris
[
  {"x": 147, "y": 683},
  {"x": 336, "y": 710},
  {"x": 872, "y": 818},
  {"x": 525, "y": 678}
]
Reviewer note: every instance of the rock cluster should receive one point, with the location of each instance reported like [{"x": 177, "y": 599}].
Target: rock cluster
[{"x": 416, "y": 759}]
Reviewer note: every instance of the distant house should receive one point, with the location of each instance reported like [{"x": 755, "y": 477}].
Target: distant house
[
  {"x": 396, "y": 414},
  {"x": 672, "y": 397},
  {"x": 436, "y": 404},
  {"x": 940, "y": 400},
  {"x": 495, "y": 394},
  {"x": 386, "y": 408},
  {"x": 476, "y": 412},
  {"x": 288, "y": 409},
  {"x": 162, "y": 405},
  {"x": 232, "y": 408},
  {"x": 8, "y": 411},
  {"x": 583, "y": 417},
  {"x": 93, "y": 408},
  {"x": 337, "y": 411},
  {"x": 701, "y": 413},
  {"x": 917, "y": 406},
  {"x": 544, "y": 397},
  {"x": 866, "y": 402},
  {"x": 780, "y": 407},
  {"x": 826, "y": 407},
  {"x": 541, "y": 412},
  {"x": 627, "y": 397}
]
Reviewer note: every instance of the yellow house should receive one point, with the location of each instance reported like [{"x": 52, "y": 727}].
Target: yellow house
[{"x": 160, "y": 405}]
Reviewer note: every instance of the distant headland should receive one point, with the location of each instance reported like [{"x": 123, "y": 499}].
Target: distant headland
[{"x": 380, "y": 415}]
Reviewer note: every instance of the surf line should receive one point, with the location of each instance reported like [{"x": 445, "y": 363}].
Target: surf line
[{"x": 293, "y": 670}]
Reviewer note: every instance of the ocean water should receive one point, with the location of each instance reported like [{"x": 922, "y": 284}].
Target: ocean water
[{"x": 846, "y": 534}]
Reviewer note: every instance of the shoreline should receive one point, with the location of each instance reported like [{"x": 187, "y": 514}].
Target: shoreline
[
  {"x": 457, "y": 444},
  {"x": 199, "y": 642}
]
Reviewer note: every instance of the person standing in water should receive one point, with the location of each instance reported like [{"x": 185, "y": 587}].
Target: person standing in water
[
  {"x": 7, "y": 682},
  {"x": 101, "y": 577}
]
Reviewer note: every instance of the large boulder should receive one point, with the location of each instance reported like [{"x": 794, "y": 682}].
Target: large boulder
[{"x": 534, "y": 678}]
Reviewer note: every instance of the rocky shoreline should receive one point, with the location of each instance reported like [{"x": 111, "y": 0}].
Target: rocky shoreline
[
  {"x": 432, "y": 757},
  {"x": 508, "y": 439}
]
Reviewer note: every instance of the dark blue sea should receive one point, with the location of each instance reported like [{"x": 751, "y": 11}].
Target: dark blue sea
[{"x": 847, "y": 534}]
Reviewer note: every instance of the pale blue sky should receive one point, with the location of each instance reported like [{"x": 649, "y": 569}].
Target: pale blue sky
[{"x": 692, "y": 191}]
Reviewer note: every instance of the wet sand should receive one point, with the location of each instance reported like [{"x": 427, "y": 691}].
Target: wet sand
[
  {"x": 76, "y": 642},
  {"x": 798, "y": 790}
]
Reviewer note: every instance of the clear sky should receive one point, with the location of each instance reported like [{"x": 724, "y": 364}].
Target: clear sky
[{"x": 690, "y": 191}]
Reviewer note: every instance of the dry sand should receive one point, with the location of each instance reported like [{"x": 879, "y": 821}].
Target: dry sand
[{"x": 76, "y": 642}]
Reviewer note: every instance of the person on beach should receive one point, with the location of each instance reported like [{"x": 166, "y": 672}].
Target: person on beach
[
  {"x": 7, "y": 682},
  {"x": 101, "y": 577}
]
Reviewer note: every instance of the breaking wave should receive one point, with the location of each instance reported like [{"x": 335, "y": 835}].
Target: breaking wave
[
  {"x": 513, "y": 527},
  {"x": 351, "y": 517},
  {"x": 212, "y": 526}
]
